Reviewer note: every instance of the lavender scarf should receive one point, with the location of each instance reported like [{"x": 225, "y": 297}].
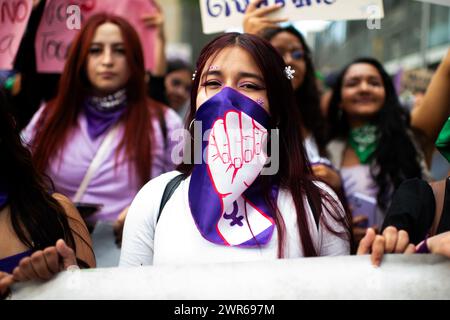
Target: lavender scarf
[{"x": 102, "y": 113}]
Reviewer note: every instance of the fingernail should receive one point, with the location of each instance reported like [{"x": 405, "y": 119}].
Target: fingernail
[
  {"x": 248, "y": 156},
  {"x": 225, "y": 158},
  {"x": 73, "y": 268},
  {"x": 237, "y": 163}
]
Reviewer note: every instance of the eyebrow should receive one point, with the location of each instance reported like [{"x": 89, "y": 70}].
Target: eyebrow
[
  {"x": 101, "y": 43},
  {"x": 241, "y": 75},
  {"x": 359, "y": 77}
]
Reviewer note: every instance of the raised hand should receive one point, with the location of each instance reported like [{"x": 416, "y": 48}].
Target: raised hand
[
  {"x": 256, "y": 20},
  {"x": 235, "y": 154},
  {"x": 156, "y": 19},
  {"x": 235, "y": 158}
]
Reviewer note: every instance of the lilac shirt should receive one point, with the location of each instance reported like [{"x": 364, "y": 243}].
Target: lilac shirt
[{"x": 113, "y": 187}]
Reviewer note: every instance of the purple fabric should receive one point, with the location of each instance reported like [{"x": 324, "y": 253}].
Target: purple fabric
[
  {"x": 423, "y": 247},
  {"x": 204, "y": 202},
  {"x": 3, "y": 195},
  {"x": 9, "y": 263},
  {"x": 99, "y": 120}
]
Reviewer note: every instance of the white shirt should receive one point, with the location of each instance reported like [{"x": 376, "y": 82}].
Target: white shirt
[{"x": 176, "y": 239}]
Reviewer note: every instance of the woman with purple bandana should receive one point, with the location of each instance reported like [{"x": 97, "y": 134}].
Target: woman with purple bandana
[
  {"x": 233, "y": 204},
  {"x": 101, "y": 139}
]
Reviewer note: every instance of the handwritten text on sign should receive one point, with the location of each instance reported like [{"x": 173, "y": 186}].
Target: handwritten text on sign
[
  {"x": 441, "y": 2},
  {"x": 14, "y": 15},
  {"x": 218, "y": 15},
  {"x": 53, "y": 38}
]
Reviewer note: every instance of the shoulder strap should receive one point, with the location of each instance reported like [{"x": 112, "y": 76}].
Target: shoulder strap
[
  {"x": 96, "y": 162},
  {"x": 168, "y": 191},
  {"x": 163, "y": 125}
]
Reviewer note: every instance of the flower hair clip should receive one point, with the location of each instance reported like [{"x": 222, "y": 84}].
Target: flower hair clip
[
  {"x": 289, "y": 72},
  {"x": 194, "y": 75}
]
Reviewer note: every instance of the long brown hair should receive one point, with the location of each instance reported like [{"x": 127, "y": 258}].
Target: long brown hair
[
  {"x": 36, "y": 217},
  {"x": 61, "y": 114},
  {"x": 294, "y": 172}
]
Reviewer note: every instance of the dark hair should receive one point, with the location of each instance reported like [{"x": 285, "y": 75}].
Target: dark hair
[
  {"x": 294, "y": 173},
  {"x": 307, "y": 95},
  {"x": 37, "y": 218},
  {"x": 61, "y": 114},
  {"x": 396, "y": 157},
  {"x": 178, "y": 64}
]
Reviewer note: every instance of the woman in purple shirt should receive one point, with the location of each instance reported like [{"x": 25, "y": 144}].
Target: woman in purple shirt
[{"x": 102, "y": 108}]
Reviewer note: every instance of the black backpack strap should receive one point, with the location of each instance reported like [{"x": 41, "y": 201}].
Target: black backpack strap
[
  {"x": 171, "y": 186},
  {"x": 316, "y": 211}
]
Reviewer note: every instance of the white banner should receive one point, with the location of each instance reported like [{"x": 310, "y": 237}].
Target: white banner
[
  {"x": 418, "y": 276},
  {"x": 218, "y": 15},
  {"x": 441, "y": 2}
]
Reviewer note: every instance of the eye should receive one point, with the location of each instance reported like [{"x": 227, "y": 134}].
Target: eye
[
  {"x": 120, "y": 50},
  {"x": 351, "y": 83},
  {"x": 297, "y": 54},
  {"x": 375, "y": 83},
  {"x": 95, "y": 50},
  {"x": 251, "y": 86},
  {"x": 212, "y": 84}
]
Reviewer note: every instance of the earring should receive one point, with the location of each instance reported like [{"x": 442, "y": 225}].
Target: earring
[
  {"x": 190, "y": 124},
  {"x": 289, "y": 72}
]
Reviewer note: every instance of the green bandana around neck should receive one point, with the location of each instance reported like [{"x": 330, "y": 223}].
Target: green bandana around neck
[
  {"x": 363, "y": 141},
  {"x": 443, "y": 141}
]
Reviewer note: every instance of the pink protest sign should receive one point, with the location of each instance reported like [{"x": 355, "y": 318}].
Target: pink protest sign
[
  {"x": 55, "y": 32},
  {"x": 14, "y": 15}
]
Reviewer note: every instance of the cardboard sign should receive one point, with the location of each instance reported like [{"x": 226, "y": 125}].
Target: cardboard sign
[
  {"x": 218, "y": 15},
  {"x": 56, "y": 32},
  {"x": 441, "y": 2},
  {"x": 14, "y": 16}
]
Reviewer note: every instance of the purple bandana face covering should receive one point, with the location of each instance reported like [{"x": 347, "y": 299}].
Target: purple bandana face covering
[
  {"x": 102, "y": 113},
  {"x": 225, "y": 193}
]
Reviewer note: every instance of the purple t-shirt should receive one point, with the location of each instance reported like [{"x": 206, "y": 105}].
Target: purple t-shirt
[{"x": 113, "y": 186}]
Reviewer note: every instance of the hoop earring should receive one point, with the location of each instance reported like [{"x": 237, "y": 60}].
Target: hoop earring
[{"x": 190, "y": 124}]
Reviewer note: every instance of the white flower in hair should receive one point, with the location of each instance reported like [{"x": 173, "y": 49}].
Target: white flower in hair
[
  {"x": 194, "y": 75},
  {"x": 289, "y": 72}
]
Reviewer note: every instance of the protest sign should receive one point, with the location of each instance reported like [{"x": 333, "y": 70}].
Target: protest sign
[
  {"x": 417, "y": 276},
  {"x": 218, "y": 15},
  {"x": 56, "y": 29},
  {"x": 14, "y": 15},
  {"x": 416, "y": 80},
  {"x": 441, "y": 2}
]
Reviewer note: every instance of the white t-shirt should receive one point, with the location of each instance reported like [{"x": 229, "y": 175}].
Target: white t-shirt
[{"x": 176, "y": 239}]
